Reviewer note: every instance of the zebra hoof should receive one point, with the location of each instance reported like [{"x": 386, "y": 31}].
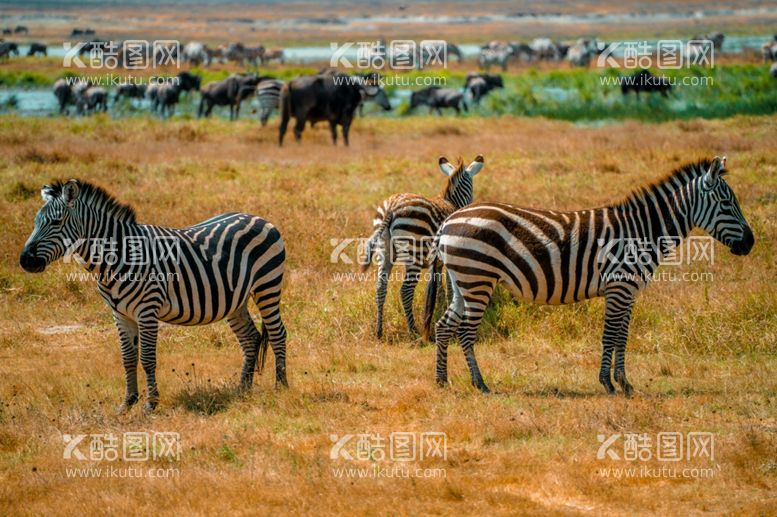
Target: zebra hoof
[
  {"x": 442, "y": 383},
  {"x": 482, "y": 387},
  {"x": 628, "y": 390},
  {"x": 149, "y": 407}
]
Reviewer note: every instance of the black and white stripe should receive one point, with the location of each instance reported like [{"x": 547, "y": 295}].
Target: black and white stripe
[
  {"x": 190, "y": 276},
  {"x": 551, "y": 257},
  {"x": 268, "y": 94},
  {"x": 404, "y": 227}
]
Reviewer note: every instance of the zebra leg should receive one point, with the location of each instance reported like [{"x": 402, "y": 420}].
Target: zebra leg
[
  {"x": 618, "y": 303},
  {"x": 384, "y": 272},
  {"x": 443, "y": 333},
  {"x": 128, "y": 338},
  {"x": 412, "y": 276},
  {"x": 620, "y": 353},
  {"x": 148, "y": 328},
  {"x": 269, "y": 308},
  {"x": 244, "y": 329},
  {"x": 468, "y": 328}
]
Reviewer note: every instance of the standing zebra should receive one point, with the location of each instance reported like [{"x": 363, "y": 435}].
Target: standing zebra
[
  {"x": 404, "y": 227},
  {"x": 147, "y": 274},
  {"x": 268, "y": 93},
  {"x": 550, "y": 257}
]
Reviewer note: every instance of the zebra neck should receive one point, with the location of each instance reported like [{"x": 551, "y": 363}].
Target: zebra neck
[
  {"x": 104, "y": 247},
  {"x": 654, "y": 218},
  {"x": 459, "y": 190}
]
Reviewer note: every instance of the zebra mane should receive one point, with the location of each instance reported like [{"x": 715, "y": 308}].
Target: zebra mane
[
  {"x": 678, "y": 178},
  {"x": 453, "y": 179},
  {"x": 98, "y": 198}
]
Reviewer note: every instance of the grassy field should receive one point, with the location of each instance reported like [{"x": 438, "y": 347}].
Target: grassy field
[{"x": 701, "y": 354}]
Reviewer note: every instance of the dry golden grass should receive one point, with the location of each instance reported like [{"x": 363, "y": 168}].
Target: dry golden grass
[{"x": 701, "y": 354}]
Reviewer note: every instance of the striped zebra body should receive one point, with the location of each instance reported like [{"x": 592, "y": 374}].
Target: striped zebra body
[
  {"x": 404, "y": 227},
  {"x": 268, "y": 94},
  {"x": 551, "y": 257},
  {"x": 147, "y": 274}
]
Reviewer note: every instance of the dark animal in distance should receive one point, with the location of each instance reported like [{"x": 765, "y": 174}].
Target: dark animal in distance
[
  {"x": 37, "y": 48},
  {"x": 437, "y": 98},
  {"x": 478, "y": 85},
  {"x": 645, "y": 81},
  {"x": 229, "y": 92},
  {"x": 332, "y": 96}
]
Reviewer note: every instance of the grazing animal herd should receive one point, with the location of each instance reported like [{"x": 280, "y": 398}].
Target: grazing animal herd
[{"x": 209, "y": 271}]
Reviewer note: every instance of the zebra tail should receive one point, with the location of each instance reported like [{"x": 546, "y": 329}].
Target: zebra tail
[
  {"x": 431, "y": 288},
  {"x": 264, "y": 340},
  {"x": 379, "y": 232},
  {"x": 431, "y": 299}
]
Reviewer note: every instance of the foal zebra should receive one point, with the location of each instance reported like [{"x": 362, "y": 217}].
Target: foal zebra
[
  {"x": 147, "y": 274},
  {"x": 550, "y": 257},
  {"x": 404, "y": 227}
]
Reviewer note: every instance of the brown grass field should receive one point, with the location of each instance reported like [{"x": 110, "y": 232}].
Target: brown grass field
[{"x": 701, "y": 353}]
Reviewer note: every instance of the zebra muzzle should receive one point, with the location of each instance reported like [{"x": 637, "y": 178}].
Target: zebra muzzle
[{"x": 32, "y": 263}]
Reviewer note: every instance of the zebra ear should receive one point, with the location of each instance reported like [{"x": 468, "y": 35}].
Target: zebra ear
[
  {"x": 70, "y": 191},
  {"x": 446, "y": 167},
  {"x": 717, "y": 167},
  {"x": 475, "y": 166},
  {"x": 47, "y": 193}
]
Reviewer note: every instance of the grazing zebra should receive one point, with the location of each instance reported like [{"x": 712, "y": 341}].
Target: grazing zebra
[
  {"x": 404, "y": 226},
  {"x": 147, "y": 274},
  {"x": 268, "y": 93},
  {"x": 551, "y": 257}
]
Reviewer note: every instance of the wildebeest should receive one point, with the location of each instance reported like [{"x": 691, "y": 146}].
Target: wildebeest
[
  {"x": 91, "y": 99},
  {"x": 21, "y": 29},
  {"x": 645, "y": 81},
  {"x": 37, "y": 48},
  {"x": 333, "y": 97},
  {"x": 478, "y": 85},
  {"x": 7, "y": 30},
  {"x": 64, "y": 94},
  {"x": 8, "y": 48},
  {"x": 167, "y": 95},
  {"x": 229, "y": 92},
  {"x": 241, "y": 54},
  {"x": 717, "y": 39},
  {"x": 130, "y": 91},
  {"x": 437, "y": 98},
  {"x": 188, "y": 81},
  {"x": 272, "y": 54}
]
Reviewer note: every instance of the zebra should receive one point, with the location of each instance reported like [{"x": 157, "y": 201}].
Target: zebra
[
  {"x": 404, "y": 226},
  {"x": 494, "y": 56},
  {"x": 147, "y": 274},
  {"x": 268, "y": 94},
  {"x": 551, "y": 257}
]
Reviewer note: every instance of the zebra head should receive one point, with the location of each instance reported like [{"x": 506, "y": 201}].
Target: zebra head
[
  {"x": 57, "y": 227},
  {"x": 718, "y": 213},
  {"x": 459, "y": 188}
]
